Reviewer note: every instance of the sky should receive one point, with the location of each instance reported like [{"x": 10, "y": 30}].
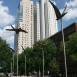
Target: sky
[{"x": 8, "y": 14}]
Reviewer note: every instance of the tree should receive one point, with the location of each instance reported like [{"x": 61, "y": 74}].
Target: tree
[
  {"x": 35, "y": 61},
  {"x": 49, "y": 53},
  {"x": 21, "y": 63},
  {"x": 71, "y": 47},
  {"x": 5, "y": 56},
  {"x": 29, "y": 61}
]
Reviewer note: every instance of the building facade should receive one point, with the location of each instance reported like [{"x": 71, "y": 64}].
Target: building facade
[
  {"x": 40, "y": 23},
  {"x": 57, "y": 39},
  {"x": 44, "y": 20},
  {"x": 37, "y": 22},
  {"x": 25, "y": 21},
  {"x": 51, "y": 26}
]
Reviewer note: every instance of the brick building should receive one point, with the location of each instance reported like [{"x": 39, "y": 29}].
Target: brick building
[{"x": 57, "y": 38}]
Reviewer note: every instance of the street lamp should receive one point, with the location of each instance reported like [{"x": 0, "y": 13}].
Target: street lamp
[
  {"x": 59, "y": 16},
  {"x": 42, "y": 46}
]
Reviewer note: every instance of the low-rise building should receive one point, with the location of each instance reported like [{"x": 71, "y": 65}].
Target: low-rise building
[{"x": 57, "y": 38}]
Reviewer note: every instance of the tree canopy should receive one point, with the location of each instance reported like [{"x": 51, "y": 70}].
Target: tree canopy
[
  {"x": 34, "y": 58},
  {"x": 5, "y": 56},
  {"x": 71, "y": 47},
  {"x": 49, "y": 54}
]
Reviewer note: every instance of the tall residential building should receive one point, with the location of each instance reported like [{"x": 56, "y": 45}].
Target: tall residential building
[
  {"x": 25, "y": 21},
  {"x": 36, "y": 22},
  {"x": 44, "y": 20},
  {"x": 50, "y": 20}
]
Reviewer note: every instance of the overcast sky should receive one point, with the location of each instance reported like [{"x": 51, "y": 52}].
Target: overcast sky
[{"x": 8, "y": 13}]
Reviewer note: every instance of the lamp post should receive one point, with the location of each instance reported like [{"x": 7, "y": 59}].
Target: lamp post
[{"x": 42, "y": 46}]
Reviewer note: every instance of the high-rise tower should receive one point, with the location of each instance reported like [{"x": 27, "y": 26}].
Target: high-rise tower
[
  {"x": 36, "y": 22},
  {"x": 42, "y": 20},
  {"x": 48, "y": 23},
  {"x": 25, "y": 21},
  {"x": 50, "y": 20}
]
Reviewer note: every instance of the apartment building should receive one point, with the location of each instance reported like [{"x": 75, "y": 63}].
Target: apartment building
[{"x": 25, "y": 21}]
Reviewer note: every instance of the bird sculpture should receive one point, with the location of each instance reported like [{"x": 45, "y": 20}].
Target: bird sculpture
[
  {"x": 17, "y": 30},
  {"x": 41, "y": 45},
  {"x": 23, "y": 49},
  {"x": 12, "y": 49},
  {"x": 58, "y": 14}
]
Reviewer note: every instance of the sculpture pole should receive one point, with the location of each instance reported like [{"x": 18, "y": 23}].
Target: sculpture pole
[
  {"x": 17, "y": 57},
  {"x": 25, "y": 64},
  {"x": 42, "y": 46},
  {"x": 64, "y": 49},
  {"x": 17, "y": 32},
  {"x": 17, "y": 63},
  {"x": 13, "y": 64},
  {"x": 11, "y": 67},
  {"x": 43, "y": 61}
]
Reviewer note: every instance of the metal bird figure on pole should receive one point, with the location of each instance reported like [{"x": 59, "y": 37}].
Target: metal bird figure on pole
[
  {"x": 24, "y": 50},
  {"x": 58, "y": 14},
  {"x": 42, "y": 46},
  {"x": 12, "y": 49},
  {"x": 17, "y": 30}
]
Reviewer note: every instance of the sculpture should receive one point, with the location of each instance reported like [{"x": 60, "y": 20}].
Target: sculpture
[
  {"x": 58, "y": 14},
  {"x": 16, "y": 30}
]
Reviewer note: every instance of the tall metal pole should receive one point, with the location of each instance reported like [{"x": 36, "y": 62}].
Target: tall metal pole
[
  {"x": 43, "y": 62},
  {"x": 17, "y": 55},
  {"x": 25, "y": 64},
  {"x": 17, "y": 62},
  {"x": 42, "y": 46},
  {"x": 64, "y": 49},
  {"x": 11, "y": 67},
  {"x": 13, "y": 64},
  {"x": 39, "y": 72}
]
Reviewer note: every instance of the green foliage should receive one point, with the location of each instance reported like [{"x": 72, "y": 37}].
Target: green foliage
[
  {"x": 34, "y": 58},
  {"x": 5, "y": 56},
  {"x": 54, "y": 65},
  {"x": 71, "y": 47},
  {"x": 49, "y": 54}
]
